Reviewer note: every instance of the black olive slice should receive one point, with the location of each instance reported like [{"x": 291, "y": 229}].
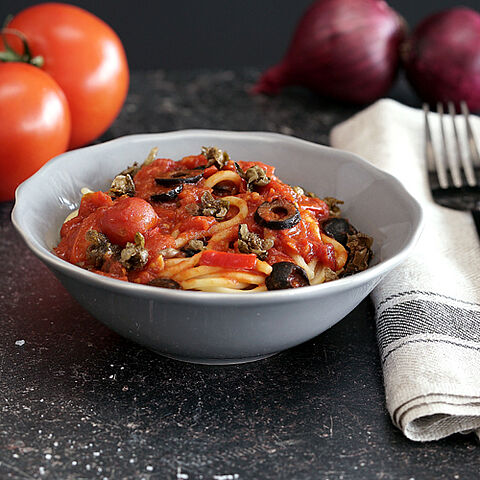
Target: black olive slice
[
  {"x": 165, "y": 283},
  {"x": 339, "y": 229},
  {"x": 286, "y": 275},
  {"x": 168, "y": 195},
  {"x": 178, "y": 177},
  {"x": 277, "y": 215}
]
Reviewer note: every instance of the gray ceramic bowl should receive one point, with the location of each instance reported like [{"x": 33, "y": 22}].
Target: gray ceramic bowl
[{"x": 213, "y": 327}]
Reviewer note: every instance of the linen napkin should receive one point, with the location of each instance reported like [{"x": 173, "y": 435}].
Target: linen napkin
[{"x": 428, "y": 309}]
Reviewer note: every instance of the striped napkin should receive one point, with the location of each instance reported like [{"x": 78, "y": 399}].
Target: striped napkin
[{"x": 428, "y": 309}]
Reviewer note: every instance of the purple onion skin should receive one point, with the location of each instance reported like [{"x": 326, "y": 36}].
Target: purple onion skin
[
  {"x": 344, "y": 49},
  {"x": 442, "y": 57}
]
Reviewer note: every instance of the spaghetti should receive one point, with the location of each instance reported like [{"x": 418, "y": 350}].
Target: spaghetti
[{"x": 208, "y": 223}]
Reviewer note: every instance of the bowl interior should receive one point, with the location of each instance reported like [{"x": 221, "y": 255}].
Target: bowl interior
[{"x": 374, "y": 202}]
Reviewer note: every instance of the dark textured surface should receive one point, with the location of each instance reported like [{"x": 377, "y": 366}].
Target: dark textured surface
[{"x": 78, "y": 401}]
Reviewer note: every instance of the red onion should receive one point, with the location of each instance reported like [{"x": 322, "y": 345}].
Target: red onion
[
  {"x": 346, "y": 49},
  {"x": 442, "y": 57}
]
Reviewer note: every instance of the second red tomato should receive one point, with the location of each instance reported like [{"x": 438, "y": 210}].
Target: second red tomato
[{"x": 85, "y": 57}]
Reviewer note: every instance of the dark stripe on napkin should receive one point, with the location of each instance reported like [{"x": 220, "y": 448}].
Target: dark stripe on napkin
[
  {"x": 423, "y": 294},
  {"x": 425, "y": 317},
  {"x": 429, "y": 340}
]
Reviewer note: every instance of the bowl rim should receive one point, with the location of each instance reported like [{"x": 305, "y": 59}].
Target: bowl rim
[{"x": 198, "y": 297}]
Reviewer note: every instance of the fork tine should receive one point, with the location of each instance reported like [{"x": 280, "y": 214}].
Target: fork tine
[
  {"x": 429, "y": 152},
  {"x": 448, "y": 160},
  {"x": 433, "y": 161},
  {"x": 474, "y": 157},
  {"x": 465, "y": 161}
]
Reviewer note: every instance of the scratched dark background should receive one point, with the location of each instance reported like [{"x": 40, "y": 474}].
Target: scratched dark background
[
  {"x": 187, "y": 34},
  {"x": 79, "y": 402}
]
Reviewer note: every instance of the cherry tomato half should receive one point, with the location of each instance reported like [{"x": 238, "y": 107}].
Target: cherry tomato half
[
  {"x": 85, "y": 57},
  {"x": 34, "y": 123},
  {"x": 127, "y": 216}
]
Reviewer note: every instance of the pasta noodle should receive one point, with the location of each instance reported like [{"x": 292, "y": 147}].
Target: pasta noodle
[
  {"x": 207, "y": 223},
  {"x": 223, "y": 176},
  {"x": 73, "y": 214}
]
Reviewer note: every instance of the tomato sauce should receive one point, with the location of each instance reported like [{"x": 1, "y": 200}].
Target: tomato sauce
[{"x": 162, "y": 222}]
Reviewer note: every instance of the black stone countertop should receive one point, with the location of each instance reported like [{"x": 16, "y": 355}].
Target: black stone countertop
[{"x": 78, "y": 401}]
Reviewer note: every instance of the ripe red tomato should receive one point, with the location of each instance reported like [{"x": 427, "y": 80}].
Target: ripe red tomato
[
  {"x": 127, "y": 216},
  {"x": 34, "y": 123},
  {"x": 85, "y": 57}
]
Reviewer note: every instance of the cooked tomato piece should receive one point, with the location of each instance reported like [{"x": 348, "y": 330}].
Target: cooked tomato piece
[
  {"x": 78, "y": 252},
  {"x": 193, "y": 161},
  {"x": 145, "y": 185},
  {"x": 316, "y": 205},
  {"x": 199, "y": 224},
  {"x": 208, "y": 172},
  {"x": 275, "y": 256},
  {"x": 235, "y": 261},
  {"x": 91, "y": 201},
  {"x": 156, "y": 241},
  {"x": 127, "y": 216},
  {"x": 69, "y": 226}
]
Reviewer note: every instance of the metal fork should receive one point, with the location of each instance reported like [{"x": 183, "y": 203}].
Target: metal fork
[{"x": 454, "y": 178}]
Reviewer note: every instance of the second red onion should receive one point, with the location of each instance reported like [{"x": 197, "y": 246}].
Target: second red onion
[
  {"x": 442, "y": 57},
  {"x": 345, "y": 49}
]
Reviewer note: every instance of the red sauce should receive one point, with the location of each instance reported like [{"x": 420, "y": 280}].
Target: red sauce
[{"x": 158, "y": 220}]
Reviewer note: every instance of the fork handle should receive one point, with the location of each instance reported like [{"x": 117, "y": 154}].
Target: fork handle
[{"x": 476, "y": 218}]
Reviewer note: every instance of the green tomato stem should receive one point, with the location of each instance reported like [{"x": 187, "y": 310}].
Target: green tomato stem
[{"x": 10, "y": 55}]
